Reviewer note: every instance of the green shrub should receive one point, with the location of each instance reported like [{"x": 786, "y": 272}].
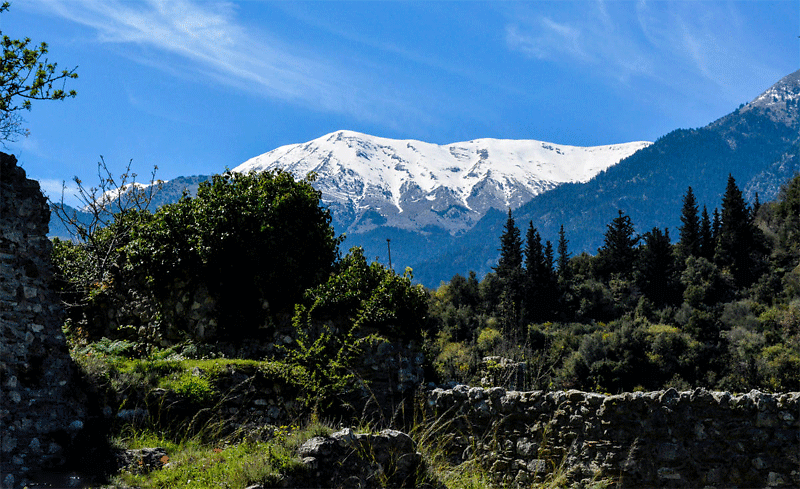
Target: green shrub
[
  {"x": 196, "y": 389},
  {"x": 488, "y": 339}
]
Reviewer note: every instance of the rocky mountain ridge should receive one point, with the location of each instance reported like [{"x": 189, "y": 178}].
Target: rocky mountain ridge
[{"x": 369, "y": 182}]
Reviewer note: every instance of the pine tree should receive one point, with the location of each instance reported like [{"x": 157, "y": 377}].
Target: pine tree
[
  {"x": 534, "y": 275},
  {"x": 656, "y": 268},
  {"x": 736, "y": 242},
  {"x": 617, "y": 254},
  {"x": 549, "y": 259},
  {"x": 755, "y": 208},
  {"x": 563, "y": 255},
  {"x": 510, "y": 250},
  {"x": 534, "y": 255},
  {"x": 689, "y": 241},
  {"x": 510, "y": 275},
  {"x": 716, "y": 224},
  {"x": 707, "y": 244}
]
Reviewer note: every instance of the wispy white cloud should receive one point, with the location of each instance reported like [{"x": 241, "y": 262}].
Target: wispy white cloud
[
  {"x": 55, "y": 189},
  {"x": 553, "y": 39},
  {"x": 594, "y": 38},
  {"x": 215, "y": 46},
  {"x": 666, "y": 42}
]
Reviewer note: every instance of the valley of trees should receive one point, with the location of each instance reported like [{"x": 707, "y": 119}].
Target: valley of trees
[{"x": 720, "y": 308}]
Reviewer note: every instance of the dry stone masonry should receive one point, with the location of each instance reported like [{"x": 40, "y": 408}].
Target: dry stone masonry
[
  {"x": 40, "y": 410},
  {"x": 654, "y": 439}
]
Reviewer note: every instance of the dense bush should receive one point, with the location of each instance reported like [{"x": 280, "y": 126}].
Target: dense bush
[
  {"x": 367, "y": 298},
  {"x": 253, "y": 242},
  {"x": 256, "y": 241}
]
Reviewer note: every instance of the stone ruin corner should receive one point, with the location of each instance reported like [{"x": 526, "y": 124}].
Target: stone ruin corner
[{"x": 42, "y": 410}]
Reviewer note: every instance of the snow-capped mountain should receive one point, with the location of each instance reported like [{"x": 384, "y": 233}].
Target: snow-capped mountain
[
  {"x": 369, "y": 181},
  {"x": 781, "y": 101}
]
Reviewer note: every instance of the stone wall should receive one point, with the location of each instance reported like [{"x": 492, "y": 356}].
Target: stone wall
[
  {"x": 40, "y": 410},
  {"x": 653, "y": 439}
]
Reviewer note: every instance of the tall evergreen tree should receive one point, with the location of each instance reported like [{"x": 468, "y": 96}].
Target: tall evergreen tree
[
  {"x": 716, "y": 224},
  {"x": 707, "y": 244},
  {"x": 736, "y": 243},
  {"x": 563, "y": 255},
  {"x": 756, "y": 206},
  {"x": 510, "y": 274},
  {"x": 535, "y": 276},
  {"x": 656, "y": 268},
  {"x": 549, "y": 259},
  {"x": 689, "y": 240},
  {"x": 617, "y": 254},
  {"x": 510, "y": 263},
  {"x": 787, "y": 216}
]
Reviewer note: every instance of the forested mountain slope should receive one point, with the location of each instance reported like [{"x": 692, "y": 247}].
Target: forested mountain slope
[{"x": 758, "y": 144}]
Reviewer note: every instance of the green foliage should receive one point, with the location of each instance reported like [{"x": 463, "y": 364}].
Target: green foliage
[
  {"x": 455, "y": 361},
  {"x": 367, "y": 298},
  {"x": 256, "y": 241},
  {"x": 206, "y": 465},
  {"x": 27, "y": 75},
  {"x": 195, "y": 389},
  {"x": 360, "y": 306},
  {"x": 324, "y": 360},
  {"x": 488, "y": 339}
]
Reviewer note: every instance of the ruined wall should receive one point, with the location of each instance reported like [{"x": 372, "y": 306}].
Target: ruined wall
[
  {"x": 653, "y": 439},
  {"x": 40, "y": 409}
]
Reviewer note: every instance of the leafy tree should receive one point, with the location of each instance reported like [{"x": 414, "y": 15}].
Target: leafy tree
[
  {"x": 618, "y": 252},
  {"x": 27, "y": 75},
  {"x": 360, "y": 306},
  {"x": 366, "y": 298},
  {"x": 90, "y": 273},
  {"x": 255, "y": 240},
  {"x": 458, "y": 307},
  {"x": 689, "y": 242}
]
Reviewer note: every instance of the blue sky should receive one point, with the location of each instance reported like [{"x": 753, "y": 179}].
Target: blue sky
[{"x": 195, "y": 87}]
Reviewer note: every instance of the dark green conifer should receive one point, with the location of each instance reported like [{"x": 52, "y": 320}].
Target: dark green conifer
[
  {"x": 656, "y": 268},
  {"x": 563, "y": 255},
  {"x": 736, "y": 242},
  {"x": 617, "y": 254},
  {"x": 510, "y": 274},
  {"x": 535, "y": 275},
  {"x": 707, "y": 244},
  {"x": 716, "y": 224},
  {"x": 689, "y": 240}
]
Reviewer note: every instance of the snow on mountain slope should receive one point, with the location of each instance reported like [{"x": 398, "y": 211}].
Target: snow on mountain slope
[
  {"x": 781, "y": 101},
  {"x": 369, "y": 181}
]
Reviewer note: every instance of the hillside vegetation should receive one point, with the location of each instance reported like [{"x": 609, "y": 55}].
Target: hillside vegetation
[{"x": 167, "y": 309}]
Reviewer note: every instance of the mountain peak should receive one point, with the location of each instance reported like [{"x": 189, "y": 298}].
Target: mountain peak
[
  {"x": 781, "y": 101},
  {"x": 370, "y": 181}
]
